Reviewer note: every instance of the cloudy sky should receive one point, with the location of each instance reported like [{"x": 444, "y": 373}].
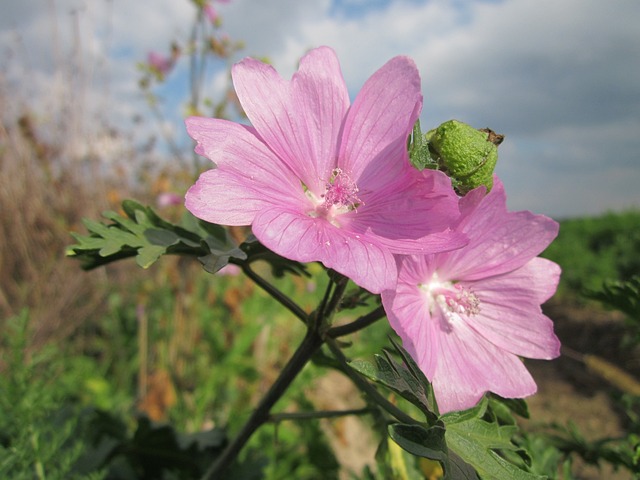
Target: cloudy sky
[{"x": 560, "y": 78}]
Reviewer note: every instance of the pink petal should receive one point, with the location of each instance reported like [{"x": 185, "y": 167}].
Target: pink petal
[
  {"x": 383, "y": 114},
  {"x": 500, "y": 241},
  {"x": 218, "y": 197},
  {"x": 409, "y": 316},
  {"x": 299, "y": 120},
  {"x": 249, "y": 176},
  {"x": 510, "y": 316},
  {"x": 296, "y": 236},
  {"x": 411, "y": 213},
  {"x": 469, "y": 366},
  {"x": 321, "y": 100}
]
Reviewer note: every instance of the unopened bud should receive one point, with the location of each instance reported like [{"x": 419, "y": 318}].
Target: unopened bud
[{"x": 467, "y": 155}]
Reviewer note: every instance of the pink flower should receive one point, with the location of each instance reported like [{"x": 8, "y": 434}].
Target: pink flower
[
  {"x": 466, "y": 316},
  {"x": 168, "y": 199},
  {"x": 320, "y": 179},
  {"x": 159, "y": 63},
  {"x": 230, "y": 270},
  {"x": 211, "y": 13}
]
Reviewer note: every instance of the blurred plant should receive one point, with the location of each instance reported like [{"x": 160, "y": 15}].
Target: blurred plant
[
  {"x": 625, "y": 297},
  {"x": 555, "y": 447},
  {"x": 40, "y": 431},
  {"x": 207, "y": 50},
  {"x": 595, "y": 249},
  {"x": 43, "y": 194}
]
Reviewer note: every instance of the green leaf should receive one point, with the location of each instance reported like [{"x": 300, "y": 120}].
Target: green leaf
[
  {"x": 478, "y": 443},
  {"x": 419, "y": 153},
  {"x": 404, "y": 378},
  {"x": 397, "y": 378},
  {"x": 143, "y": 234},
  {"x": 428, "y": 442},
  {"x": 623, "y": 296},
  {"x": 164, "y": 238},
  {"x": 503, "y": 409}
]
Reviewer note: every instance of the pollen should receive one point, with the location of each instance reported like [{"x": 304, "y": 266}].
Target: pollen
[
  {"x": 340, "y": 196},
  {"x": 341, "y": 191}
]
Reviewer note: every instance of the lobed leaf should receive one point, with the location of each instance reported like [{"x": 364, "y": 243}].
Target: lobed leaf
[
  {"x": 478, "y": 443},
  {"x": 142, "y": 234}
]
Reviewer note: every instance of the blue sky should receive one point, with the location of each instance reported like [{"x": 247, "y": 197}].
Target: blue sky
[{"x": 561, "y": 79}]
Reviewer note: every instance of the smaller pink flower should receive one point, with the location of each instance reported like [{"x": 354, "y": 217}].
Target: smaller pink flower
[
  {"x": 211, "y": 13},
  {"x": 168, "y": 199},
  {"x": 230, "y": 270},
  {"x": 466, "y": 316},
  {"x": 160, "y": 63}
]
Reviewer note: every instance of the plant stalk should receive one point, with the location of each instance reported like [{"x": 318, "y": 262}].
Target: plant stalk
[{"x": 261, "y": 415}]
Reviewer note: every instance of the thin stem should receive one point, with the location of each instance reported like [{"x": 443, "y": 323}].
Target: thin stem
[
  {"x": 338, "y": 292},
  {"x": 310, "y": 344},
  {"x": 278, "y": 417},
  {"x": 325, "y": 299},
  {"x": 362, "y": 322},
  {"x": 366, "y": 387},
  {"x": 275, "y": 293}
]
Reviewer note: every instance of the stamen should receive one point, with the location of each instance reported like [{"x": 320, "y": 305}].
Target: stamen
[
  {"x": 341, "y": 191},
  {"x": 452, "y": 299},
  {"x": 340, "y": 196}
]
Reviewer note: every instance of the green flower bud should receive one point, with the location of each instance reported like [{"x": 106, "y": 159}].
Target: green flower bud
[{"x": 467, "y": 155}]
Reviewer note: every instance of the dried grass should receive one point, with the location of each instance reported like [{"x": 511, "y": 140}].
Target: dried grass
[{"x": 38, "y": 208}]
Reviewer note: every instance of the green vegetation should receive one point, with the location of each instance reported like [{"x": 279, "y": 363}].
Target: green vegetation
[{"x": 593, "y": 250}]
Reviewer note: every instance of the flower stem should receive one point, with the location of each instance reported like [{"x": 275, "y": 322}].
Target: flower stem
[
  {"x": 366, "y": 387},
  {"x": 275, "y": 293},
  {"x": 362, "y": 322},
  {"x": 310, "y": 344},
  {"x": 278, "y": 417},
  {"x": 317, "y": 334}
]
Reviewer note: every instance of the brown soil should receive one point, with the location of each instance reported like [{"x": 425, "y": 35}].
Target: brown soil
[{"x": 569, "y": 392}]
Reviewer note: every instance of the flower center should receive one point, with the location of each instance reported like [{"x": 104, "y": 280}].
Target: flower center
[
  {"x": 341, "y": 191},
  {"x": 340, "y": 196},
  {"x": 453, "y": 299}
]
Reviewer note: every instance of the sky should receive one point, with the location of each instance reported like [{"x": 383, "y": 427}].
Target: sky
[{"x": 560, "y": 79}]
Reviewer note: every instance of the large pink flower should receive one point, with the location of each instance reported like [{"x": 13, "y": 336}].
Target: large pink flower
[
  {"x": 320, "y": 179},
  {"x": 466, "y": 316}
]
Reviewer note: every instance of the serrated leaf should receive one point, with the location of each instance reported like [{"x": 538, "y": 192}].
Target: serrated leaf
[
  {"x": 397, "y": 378},
  {"x": 136, "y": 227},
  {"x": 130, "y": 206},
  {"x": 475, "y": 441},
  {"x": 141, "y": 233},
  {"x": 459, "y": 416},
  {"x": 428, "y": 442},
  {"x": 459, "y": 469},
  {"x": 165, "y": 238},
  {"x": 213, "y": 263},
  {"x": 148, "y": 255},
  {"x": 417, "y": 374},
  {"x": 503, "y": 409}
]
